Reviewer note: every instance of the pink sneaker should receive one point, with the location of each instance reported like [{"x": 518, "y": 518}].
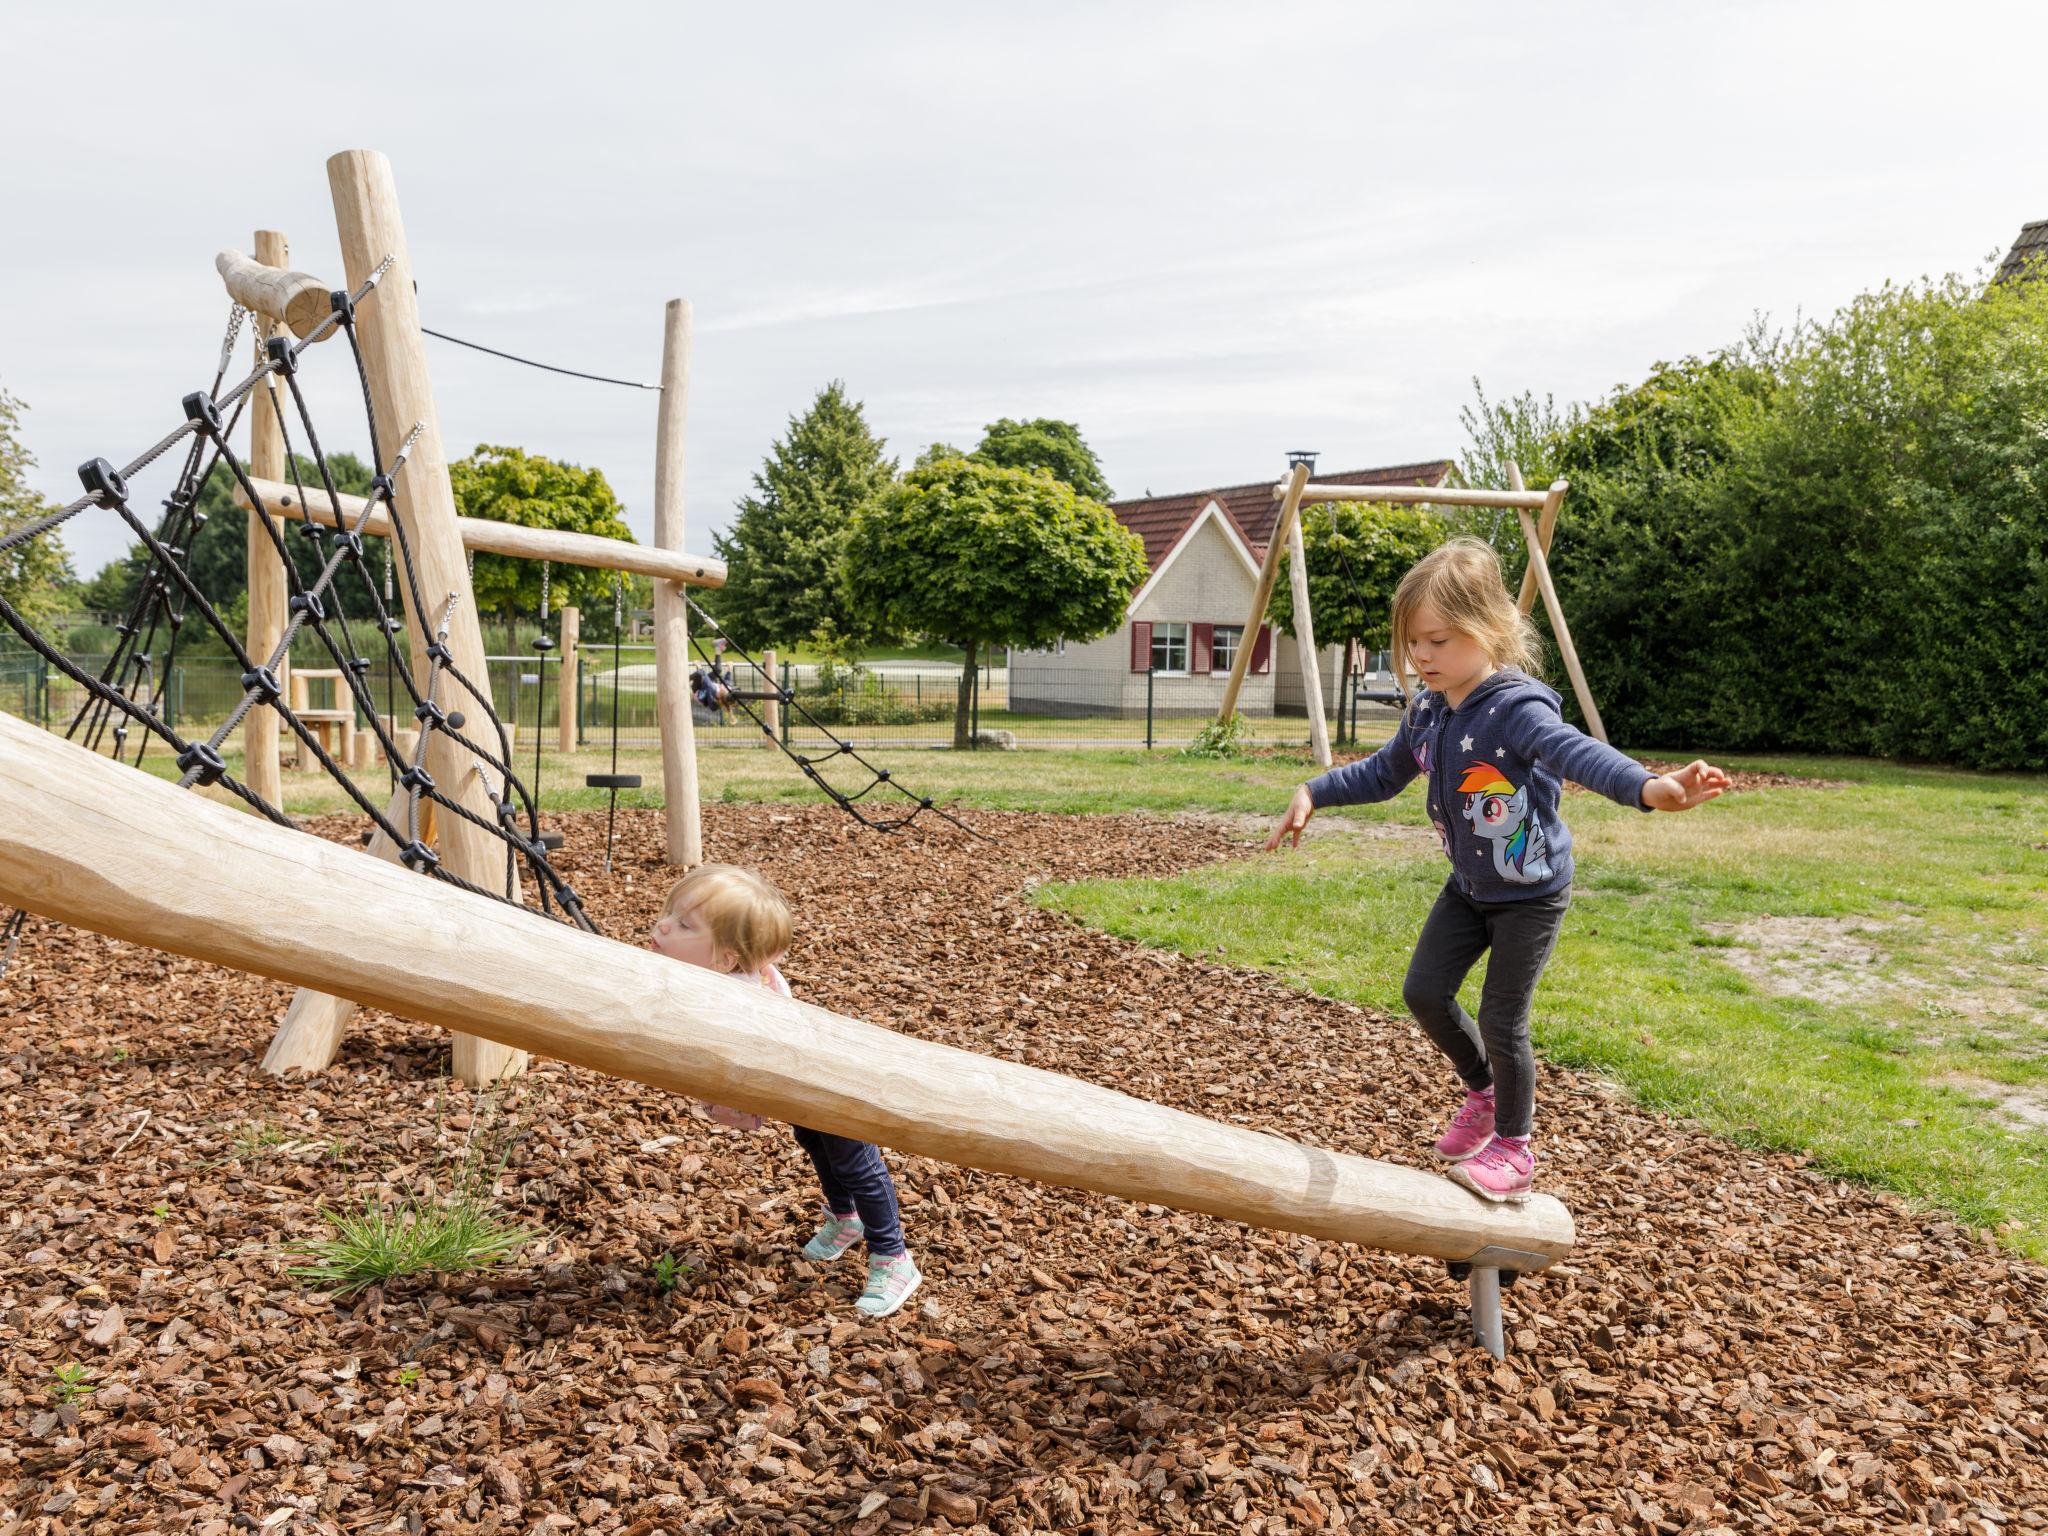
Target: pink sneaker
[
  {"x": 1472, "y": 1128},
  {"x": 1499, "y": 1172}
]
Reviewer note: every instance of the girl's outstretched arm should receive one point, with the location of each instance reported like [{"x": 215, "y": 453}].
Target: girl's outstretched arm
[
  {"x": 1536, "y": 730},
  {"x": 1379, "y": 777},
  {"x": 1683, "y": 788}
]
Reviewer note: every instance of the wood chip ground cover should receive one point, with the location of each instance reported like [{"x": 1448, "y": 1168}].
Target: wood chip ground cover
[{"x": 1738, "y": 1344}]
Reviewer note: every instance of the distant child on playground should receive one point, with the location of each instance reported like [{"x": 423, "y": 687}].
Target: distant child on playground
[
  {"x": 732, "y": 921},
  {"x": 1493, "y": 748}
]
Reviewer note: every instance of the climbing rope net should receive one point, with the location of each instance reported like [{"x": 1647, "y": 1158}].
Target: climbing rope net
[
  {"x": 332, "y": 593},
  {"x": 811, "y": 762}
]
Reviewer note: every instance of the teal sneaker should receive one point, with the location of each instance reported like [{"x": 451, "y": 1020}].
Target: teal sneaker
[
  {"x": 890, "y": 1284},
  {"x": 833, "y": 1237}
]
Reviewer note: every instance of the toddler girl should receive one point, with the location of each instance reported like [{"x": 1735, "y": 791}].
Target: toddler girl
[{"x": 732, "y": 921}]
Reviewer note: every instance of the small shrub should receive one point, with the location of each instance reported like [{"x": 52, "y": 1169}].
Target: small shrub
[
  {"x": 668, "y": 1269},
  {"x": 71, "y": 1383},
  {"x": 1219, "y": 738}
]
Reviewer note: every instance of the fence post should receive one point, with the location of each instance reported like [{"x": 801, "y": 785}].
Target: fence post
[
  {"x": 1148, "y": 709},
  {"x": 974, "y": 718}
]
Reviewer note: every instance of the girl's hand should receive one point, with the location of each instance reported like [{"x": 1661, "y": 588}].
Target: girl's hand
[
  {"x": 1299, "y": 809},
  {"x": 1683, "y": 788}
]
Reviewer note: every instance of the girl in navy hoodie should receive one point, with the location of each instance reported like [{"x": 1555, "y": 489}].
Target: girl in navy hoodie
[{"x": 1493, "y": 750}]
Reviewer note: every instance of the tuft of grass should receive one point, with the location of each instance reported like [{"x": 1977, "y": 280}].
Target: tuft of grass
[{"x": 430, "y": 1231}]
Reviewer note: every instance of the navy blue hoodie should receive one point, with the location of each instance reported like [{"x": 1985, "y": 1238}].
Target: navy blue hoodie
[{"x": 1494, "y": 766}]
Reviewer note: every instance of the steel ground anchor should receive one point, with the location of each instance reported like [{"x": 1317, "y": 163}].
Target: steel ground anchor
[{"x": 1490, "y": 1271}]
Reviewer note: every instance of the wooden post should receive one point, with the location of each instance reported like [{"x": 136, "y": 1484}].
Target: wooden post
[
  {"x": 1290, "y": 505},
  {"x": 265, "y": 569},
  {"x": 1546, "y": 531},
  {"x": 1540, "y": 564},
  {"x": 93, "y": 843},
  {"x": 572, "y": 637},
  {"x": 367, "y": 218},
  {"x": 1305, "y": 636},
  {"x": 771, "y": 709},
  {"x": 671, "y": 617}
]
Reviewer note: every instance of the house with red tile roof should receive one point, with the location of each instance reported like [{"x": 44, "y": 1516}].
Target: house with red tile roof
[{"x": 1184, "y": 624}]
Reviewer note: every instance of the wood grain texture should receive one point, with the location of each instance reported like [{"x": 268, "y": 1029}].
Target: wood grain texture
[
  {"x": 1305, "y": 643},
  {"x": 571, "y": 645},
  {"x": 296, "y": 300},
  {"x": 1560, "y": 631},
  {"x": 1445, "y": 495},
  {"x": 94, "y": 843}
]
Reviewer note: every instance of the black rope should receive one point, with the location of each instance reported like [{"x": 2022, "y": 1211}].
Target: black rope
[
  {"x": 877, "y": 777},
  {"x": 511, "y": 357}
]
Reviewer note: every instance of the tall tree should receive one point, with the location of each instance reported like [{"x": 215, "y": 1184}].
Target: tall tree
[
  {"x": 510, "y": 485},
  {"x": 35, "y": 575},
  {"x": 978, "y": 554},
  {"x": 1056, "y": 447},
  {"x": 783, "y": 551}
]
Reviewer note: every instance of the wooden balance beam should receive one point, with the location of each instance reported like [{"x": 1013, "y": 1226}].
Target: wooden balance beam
[{"x": 101, "y": 846}]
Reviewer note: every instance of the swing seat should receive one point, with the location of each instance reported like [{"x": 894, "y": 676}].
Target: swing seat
[
  {"x": 551, "y": 840},
  {"x": 611, "y": 781}
]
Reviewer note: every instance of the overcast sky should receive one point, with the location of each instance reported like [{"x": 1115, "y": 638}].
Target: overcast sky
[{"x": 1206, "y": 233}]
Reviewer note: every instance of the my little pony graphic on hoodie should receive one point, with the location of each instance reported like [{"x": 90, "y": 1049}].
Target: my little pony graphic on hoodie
[{"x": 1494, "y": 768}]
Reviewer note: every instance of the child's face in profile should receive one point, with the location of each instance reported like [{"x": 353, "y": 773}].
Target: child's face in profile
[
  {"x": 1448, "y": 660},
  {"x": 681, "y": 936}
]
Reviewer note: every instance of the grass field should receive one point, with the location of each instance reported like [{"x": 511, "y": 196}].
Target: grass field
[{"x": 1858, "y": 971}]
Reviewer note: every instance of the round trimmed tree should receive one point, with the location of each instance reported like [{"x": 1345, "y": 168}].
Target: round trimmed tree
[{"x": 976, "y": 554}]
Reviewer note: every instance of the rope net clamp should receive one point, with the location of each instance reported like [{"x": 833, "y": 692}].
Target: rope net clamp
[
  {"x": 282, "y": 358},
  {"x": 416, "y": 855},
  {"x": 264, "y": 683},
  {"x": 202, "y": 758},
  {"x": 103, "y": 483},
  {"x": 204, "y": 415}
]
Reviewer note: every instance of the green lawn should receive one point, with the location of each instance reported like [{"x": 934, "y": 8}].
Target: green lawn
[{"x": 1858, "y": 972}]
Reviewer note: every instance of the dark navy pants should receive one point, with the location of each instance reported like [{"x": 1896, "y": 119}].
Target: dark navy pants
[
  {"x": 856, "y": 1181},
  {"x": 1493, "y": 1053}
]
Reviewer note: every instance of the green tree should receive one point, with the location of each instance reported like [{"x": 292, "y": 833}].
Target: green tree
[
  {"x": 1357, "y": 553},
  {"x": 509, "y": 485},
  {"x": 976, "y": 554},
  {"x": 783, "y": 551},
  {"x": 1522, "y": 430},
  {"x": 35, "y": 576},
  {"x": 1053, "y": 446}
]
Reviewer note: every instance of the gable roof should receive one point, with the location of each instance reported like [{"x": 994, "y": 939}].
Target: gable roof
[
  {"x": 1212, "y": 507},
  {"x": 2030, "y": 249},
  {"x": 1162, "y": 521}
]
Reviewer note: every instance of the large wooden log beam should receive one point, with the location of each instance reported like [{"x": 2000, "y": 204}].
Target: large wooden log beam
[
  {"x": 96, "y": 844},
  {"x": 494, "y": 538},
  {"x": 680, "y": 810},
  {"x": 372, "y": 232}
]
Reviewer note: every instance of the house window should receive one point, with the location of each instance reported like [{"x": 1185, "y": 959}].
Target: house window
[
  {"x": 1169, "y": 648},
  {"x": 1223, "y": 646}
]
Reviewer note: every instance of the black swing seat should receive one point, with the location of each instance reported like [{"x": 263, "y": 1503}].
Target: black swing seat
[
  {"x": 551, "y": 839},
  {"x": 611, "y": 780}
]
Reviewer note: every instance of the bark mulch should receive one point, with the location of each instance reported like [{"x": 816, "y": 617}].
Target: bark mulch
[{"x": 1738, "y": 1344}]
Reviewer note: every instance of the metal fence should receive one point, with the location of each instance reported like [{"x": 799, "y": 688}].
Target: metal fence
[{"x": 884, "y": 705}]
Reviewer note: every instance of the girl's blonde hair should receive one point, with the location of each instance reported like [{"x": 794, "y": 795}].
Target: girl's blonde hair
[
  {"x": 1461, "y": 580},
  {"x": 746, "y": 915}
]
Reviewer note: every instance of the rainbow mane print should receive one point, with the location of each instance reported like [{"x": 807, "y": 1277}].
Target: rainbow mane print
[{"x": 1517, "y": 841}]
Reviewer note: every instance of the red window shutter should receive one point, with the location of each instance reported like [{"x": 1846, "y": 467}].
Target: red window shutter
[
  {"x": 1262, "y": 650},
  {"x": 1198, "y": 662},
  {"x": 1141, "y": 647}
]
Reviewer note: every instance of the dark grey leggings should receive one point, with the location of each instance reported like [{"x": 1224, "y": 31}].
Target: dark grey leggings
[{"x": 1495, "y": 1053}]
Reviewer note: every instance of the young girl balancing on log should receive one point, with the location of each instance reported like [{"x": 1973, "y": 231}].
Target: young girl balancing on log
[
  {"x": 1492, "y": 748},
  {"x": 732, "y": 921}
]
